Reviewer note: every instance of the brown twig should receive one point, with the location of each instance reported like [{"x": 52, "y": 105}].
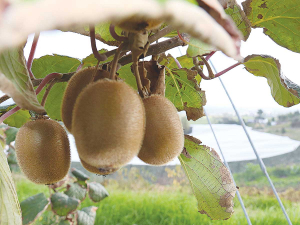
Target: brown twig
[
  {"x": 99, "y": 57},
  {"x": 115, "y": 35},
  {"x": 163, "y": 32},
  {"x": 114, "y": 63},
  {"x": 4, "y": 98},
  {"x": 210, "y": 72}
]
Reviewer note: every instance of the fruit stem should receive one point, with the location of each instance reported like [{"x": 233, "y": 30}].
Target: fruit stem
[
  {"x": 115, "y": 35},
  {"x": 46, "y": 80},
  {"x": 114, "y": 63},
  {"x": 31, "y": 54},
  {"x": 99, "y": 57},
  {"x": 137, "y": 77}
]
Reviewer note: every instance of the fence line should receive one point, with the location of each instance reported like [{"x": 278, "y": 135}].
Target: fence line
[
  {"x": 261, "y": 163},
  {"x": 226, "y": 164}
]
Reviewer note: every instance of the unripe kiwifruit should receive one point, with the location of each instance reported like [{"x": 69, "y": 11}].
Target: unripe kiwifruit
[
  {"x": 43, "y": 151},
  {"x": 137, "y": 24},
  {"x": 164, "y": 138},
  {"x": 95, "y": 170},
  {"x": 108, "y": 124},
  {"x": 76, "y": 84}
]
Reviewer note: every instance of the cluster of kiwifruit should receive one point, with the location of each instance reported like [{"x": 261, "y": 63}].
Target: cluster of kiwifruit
[{"x": 111, "y": 123}]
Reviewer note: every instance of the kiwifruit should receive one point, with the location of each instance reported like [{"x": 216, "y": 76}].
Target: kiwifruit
[
  {"x": 137, "y": 24},
  {"x": 95, "y": 170},
  {"x": 164, "y": 138},
  {"x": 76, "y": 84},
  {"x": 43, "y": 151},
  {"x": 108, "y": 124}
]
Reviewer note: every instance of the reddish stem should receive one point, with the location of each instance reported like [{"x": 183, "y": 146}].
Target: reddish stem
[
  {"x": 115, "y": 35},
  {"x": 31, "y": 54},
  {"x": 46, "y": 80},
  {"x": 178, "y": 63},
  {"x": 210, "y": 55},
  {"x": 181, "y": 38},
  {"x": 227, "y": 69},
  {"x": 99, "y": 57}
]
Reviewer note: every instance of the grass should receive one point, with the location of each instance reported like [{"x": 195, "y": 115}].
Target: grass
[{"x": 168, "y": 206}]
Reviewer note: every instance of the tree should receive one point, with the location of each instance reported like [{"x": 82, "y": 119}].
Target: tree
[{"x": 178, "y": 79}]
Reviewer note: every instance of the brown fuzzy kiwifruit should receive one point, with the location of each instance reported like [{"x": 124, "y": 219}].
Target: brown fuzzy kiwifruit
[
  {"x": 108, "y": 124},
  {"x": 164, "y": 137},
  {"x": 101, "y": 171},
  {"x": 76, "y": 84},
  {"x": 43, "y": 151},
  {"x": 137, "y": 24}
]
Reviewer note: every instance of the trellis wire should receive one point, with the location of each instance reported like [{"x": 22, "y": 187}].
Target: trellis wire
[
  {"x": 226, "y": 164},
  {"x": 261, "y": 163}
]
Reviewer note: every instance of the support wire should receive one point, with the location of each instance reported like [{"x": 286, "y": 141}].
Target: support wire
[
  {"x": 226, "y": 164},
  {"x": 261, "y": 163}
]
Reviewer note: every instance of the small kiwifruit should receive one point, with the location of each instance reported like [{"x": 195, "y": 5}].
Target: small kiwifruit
[
  {"x": 108, "y": 124},
  {"x": 164, "y": 138},
  {"x": 76, "y": 84},
  {"x": 101, "y": 171},
  {"x": 137, "y": 24},
  {"x": 43, "y": 151}
]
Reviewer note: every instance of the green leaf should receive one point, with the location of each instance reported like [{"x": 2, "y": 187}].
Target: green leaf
[
  {"x": 79, "y": 174},
  {"x": 239, "y": 17},
  {"x": 92, "y": 61},
  {"x": 64, "y": 222},
  {"x": 126, "y": 74},
  {"x": 97, "y": 192},
  {"x": 182, "y": 89},
  {"x": 18, "y": 119},
  {"x": 280, "y": 20},
  {"x": 15, "y": 80},
  {"x": 11, "y": 134},
  {"x": 54, "y": 64},
  {"x": 197, "y": 47},
  {"x": 185, "y": 62},
  {"x": 62, "y": 204},
  {"x": 33, "y": 207},
  {"x": 11, "y": 156},
  {"x": 87, "y": 215},
  {"x": 209, "y": 178},
  {"x": 10, "y": 212},
  {"x": 283, "y": 90},
  {"x": 76, "y": 191}
]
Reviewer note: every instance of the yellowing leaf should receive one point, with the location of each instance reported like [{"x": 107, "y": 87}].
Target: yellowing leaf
[
  {"x": 283, "y": 90},
  {"x": 15, "y": 80},
  {"x": 280, "y": 20},
  {"x": 210, "y": 179},
  {"x": 57, "y": 14},
  {"x": 10, "y": 212}
]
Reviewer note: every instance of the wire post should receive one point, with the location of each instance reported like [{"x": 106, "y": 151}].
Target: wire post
[
  {"x": 261, "y": 163},
  {"x": 226, "y": 164}
]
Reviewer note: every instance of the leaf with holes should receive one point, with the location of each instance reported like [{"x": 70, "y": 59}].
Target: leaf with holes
[
  {"x": 10, "y": 212},
  {"x": 97, "y": 192},
  {"x": 33, "y": 207},
  {"x": 54, "y": 64},
  {"x": 62, "y": 204},
  {"x": 87, "y": 215},
  {"x": 283, "y": 90},
  {"x": 15, "y": 81},
  {"x": 280, "y": 20},
  {"x": 75, "y": 13},
  {"x": 76, "y": 191},
  {"x": 239, "y": 17},
  {"x": 182, "y": 89},
  {"x": 210, "y": 179}
]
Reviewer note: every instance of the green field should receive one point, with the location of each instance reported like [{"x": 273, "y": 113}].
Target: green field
[{"x": 167, "y": 206}]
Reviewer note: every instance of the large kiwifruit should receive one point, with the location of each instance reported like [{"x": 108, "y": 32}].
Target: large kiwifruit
[
  {"x": 164, "y": 138},
  {"x": 43, "y": 151},
  {"x": 101, "y": 171},
  {"x": 76, "y": 84},
  {"x": 108, "y": 124}
]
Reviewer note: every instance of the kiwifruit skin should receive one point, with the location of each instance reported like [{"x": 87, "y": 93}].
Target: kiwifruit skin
[
  {"x": 93, "y": 169},
  {"x": 137, "y": 24},
  {"x": 76, "y": 84},
  {"x": 164, "y": 137},
  {"x": 43, "y": 151},
  {"x": 108, "y": 124}
]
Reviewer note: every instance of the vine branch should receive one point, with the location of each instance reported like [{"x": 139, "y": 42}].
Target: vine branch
[
  {"x": 113, "y": 33},
  {"x": 99, "y": 57},
  {"x": 4, "y": 98},
  {"x": 31, "y": 54}
]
